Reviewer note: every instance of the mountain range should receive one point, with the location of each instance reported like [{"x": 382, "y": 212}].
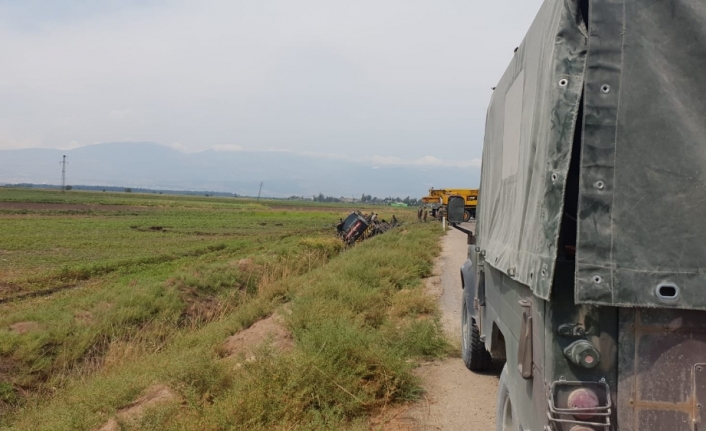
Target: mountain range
[{"x": 150, "y": 165}]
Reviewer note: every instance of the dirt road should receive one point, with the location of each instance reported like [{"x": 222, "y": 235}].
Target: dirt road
[{"x": 455, "y": 398}]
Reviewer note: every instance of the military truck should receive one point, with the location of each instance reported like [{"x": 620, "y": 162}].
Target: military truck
[{"x": 587, "y": 267}]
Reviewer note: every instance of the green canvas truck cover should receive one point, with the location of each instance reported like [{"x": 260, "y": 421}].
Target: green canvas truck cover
[
  {"x": 527, "y": 148},
  {"x": 642, "y": 193},
  {"x": 643, "y": 165}
]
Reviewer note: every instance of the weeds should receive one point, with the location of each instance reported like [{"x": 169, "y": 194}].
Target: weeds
[{"x": 359, "y": 318}]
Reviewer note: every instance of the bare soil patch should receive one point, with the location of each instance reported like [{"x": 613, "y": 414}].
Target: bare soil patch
[
  {"x": 7, "y": 367},
  {"x": 246, "y": 341},
  {"x": 245, "y": 265},
  {"x": 83, "y": 316},
  {"x": 155, "y": 395},
  {"x": 24, "y": 327},
  {"x": 393, "y": 419},
  {"x": 8, "y": 288}
]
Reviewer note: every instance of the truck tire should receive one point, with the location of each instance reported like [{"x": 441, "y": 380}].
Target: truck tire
[
  {"x": 506, "y": 417},
  {"x": 466, "y": 215},
  {"x": 473, "y": 350}
]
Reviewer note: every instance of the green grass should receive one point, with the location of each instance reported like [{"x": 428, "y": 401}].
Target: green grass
[
  {"x": 46, "y": 247},
  {"x": 157, "y": 311}
]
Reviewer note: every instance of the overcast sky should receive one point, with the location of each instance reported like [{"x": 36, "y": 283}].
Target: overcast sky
[{"x": 395, "y": 81}]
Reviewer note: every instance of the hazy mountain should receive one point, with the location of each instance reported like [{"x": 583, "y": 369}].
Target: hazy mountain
[{"x": 155, "y": 166}]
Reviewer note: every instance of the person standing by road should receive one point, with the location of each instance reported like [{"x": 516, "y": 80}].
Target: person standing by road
[
  {"x": 424, "y": 216},
  {"x": 419, "y": 214}
]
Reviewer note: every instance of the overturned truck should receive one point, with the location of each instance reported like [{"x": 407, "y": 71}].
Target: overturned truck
[
  {"x": 358, "y": 227},
  {"x": 587, "y": 271}
]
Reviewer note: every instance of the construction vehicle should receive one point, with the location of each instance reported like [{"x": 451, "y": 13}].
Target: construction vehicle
[
  {"x": 437, "y": 200},
  {"x": 585, "y": 272},
  {"x": 470, "y": 197},
  {"x": 433, "y": 200}
]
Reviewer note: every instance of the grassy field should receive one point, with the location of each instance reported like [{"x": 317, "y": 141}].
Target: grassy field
[
  {"x": 105, "y": 295},
  {"x": 55, "y": 237}
]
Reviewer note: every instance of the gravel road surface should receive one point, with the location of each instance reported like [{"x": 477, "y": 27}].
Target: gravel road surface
[{"x": 455, "y": 398}]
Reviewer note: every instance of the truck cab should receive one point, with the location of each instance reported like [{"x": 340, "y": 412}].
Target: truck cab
[{"x": 586, "y": 269}]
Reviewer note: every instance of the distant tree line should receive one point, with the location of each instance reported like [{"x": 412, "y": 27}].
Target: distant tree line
[
  {"x": 368, "y": 199},
  {"x": 123, "y": 189},
  {"x": 322, "y": 198},
  {"x": 386, "y": 201}
]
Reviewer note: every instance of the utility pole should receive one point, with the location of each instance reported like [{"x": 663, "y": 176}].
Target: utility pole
[
  {"x": 259, "y": 192},
  {"x": 63, "y": 174}
]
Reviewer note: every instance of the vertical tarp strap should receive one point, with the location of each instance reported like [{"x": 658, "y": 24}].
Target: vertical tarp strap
[
  {"x": 569, "y": 63},
  {"x": 594, "y": 266}
]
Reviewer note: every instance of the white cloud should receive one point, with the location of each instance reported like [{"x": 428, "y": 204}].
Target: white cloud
[
  {"x": 425, "y": 161},
  {"x": 319, "y": 154},
  {"x": 179, "y": 147},
  {"x": 227, "y": 147},
  {"x": 317, "y": 77},
  {"x": 377, "y": 161}
]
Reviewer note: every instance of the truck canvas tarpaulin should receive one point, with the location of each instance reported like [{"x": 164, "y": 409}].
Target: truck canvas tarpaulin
[
  {"x": 527, "y": 149},
  {"x": 635, "y": 86}
]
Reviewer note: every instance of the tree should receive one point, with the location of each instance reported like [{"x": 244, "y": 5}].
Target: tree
[
  {"x": 128, "y": 190},
  {"x": 68, "y": 187}
]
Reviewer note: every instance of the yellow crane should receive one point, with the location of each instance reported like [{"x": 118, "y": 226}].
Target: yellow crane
[{"x": 438, "y": 199}]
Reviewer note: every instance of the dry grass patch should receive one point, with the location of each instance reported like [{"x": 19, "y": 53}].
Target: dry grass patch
[{"x": 413, "y": 302}]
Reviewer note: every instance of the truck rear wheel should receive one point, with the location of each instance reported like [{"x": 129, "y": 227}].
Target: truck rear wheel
[
  {"x": 466, "y": 215},
  {"x": 473, "y": 352},
  {"x": 506, "y": 419}
]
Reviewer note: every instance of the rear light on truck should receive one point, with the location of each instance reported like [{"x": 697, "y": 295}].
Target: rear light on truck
[
  {"x": 580, "y": 406},
  {"x": 583, "y": 400}
]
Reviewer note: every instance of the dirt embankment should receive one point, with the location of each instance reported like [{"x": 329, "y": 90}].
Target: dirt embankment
[
  {"x": 153, "y": 396},
  {"x": 455, "y": 398},
  {"x": 241, "y": 345},
  {"x": 247, "y": 341}
]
